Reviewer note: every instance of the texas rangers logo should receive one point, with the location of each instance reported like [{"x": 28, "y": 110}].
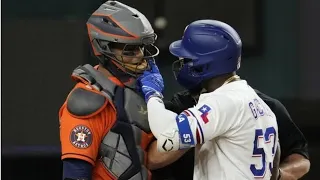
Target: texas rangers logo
[
  {"x": 204, "y": 113},
  {"x": 81, "y": 137}
]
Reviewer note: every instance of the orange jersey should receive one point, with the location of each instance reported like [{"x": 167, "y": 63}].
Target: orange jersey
[{"x": 81, "y": 137}]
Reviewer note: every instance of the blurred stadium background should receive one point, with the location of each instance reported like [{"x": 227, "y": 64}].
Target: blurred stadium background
[{"x": 43, "y": 41}]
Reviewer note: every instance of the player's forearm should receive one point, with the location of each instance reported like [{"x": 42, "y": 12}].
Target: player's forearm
[
  {"x": 159, "y": 117},
  {"x": 294, "y": 166},
  {"x": 158, "y": 159}
]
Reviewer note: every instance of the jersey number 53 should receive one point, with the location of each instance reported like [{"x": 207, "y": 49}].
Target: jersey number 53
[{"x": 259, "y": 152}]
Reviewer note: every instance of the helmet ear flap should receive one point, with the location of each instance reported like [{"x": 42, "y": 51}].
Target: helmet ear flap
[
  {"x": 104, "y": 45},
  {"x": 199, "y": 70},
  {"x": 99, "y": 47},
  {"x": 95, "y": 47}
]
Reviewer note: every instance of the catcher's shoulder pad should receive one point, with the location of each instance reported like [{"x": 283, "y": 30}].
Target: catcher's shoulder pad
[{"x": 83, "y": 103}]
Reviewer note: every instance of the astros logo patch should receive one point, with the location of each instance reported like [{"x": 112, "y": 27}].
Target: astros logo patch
[{"x": 81, "y": 137}]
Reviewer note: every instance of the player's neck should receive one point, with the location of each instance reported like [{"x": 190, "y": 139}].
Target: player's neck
[{"x": 217, "y": 82}]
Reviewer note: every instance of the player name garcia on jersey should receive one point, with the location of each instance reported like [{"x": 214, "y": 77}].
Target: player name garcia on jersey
[{"x": 259, "y": 109}]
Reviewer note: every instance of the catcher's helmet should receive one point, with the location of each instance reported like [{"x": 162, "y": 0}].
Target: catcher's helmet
[
  {"x": 208, "y": 48},
  {"x": 114, "y": 24}
]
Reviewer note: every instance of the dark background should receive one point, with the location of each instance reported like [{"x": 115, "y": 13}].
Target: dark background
[{"x": 43, "y": 41}]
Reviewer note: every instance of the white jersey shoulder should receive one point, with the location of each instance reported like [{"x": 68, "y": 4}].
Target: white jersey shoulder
[{"x": 236, "y": 133}]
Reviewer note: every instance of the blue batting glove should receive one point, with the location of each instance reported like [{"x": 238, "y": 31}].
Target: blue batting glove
[{"x": 151, "y": 82}]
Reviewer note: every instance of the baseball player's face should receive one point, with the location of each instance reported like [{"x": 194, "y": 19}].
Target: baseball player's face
[{"x": 131, "y": 54}]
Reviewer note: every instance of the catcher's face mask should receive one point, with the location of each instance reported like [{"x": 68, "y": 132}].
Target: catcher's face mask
[{"x": 130, "y": 58}]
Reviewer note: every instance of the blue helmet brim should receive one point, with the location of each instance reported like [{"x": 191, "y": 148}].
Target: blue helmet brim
[{"x": 176, "y": 48}]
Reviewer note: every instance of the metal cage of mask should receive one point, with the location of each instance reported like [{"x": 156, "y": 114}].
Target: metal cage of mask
[{"x": 148, "y": 50}]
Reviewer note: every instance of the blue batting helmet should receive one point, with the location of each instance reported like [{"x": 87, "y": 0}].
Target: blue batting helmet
[{"x": 208, "y": 48}]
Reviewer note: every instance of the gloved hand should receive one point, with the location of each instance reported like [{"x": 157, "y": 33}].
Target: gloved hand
[{"x": 151, "y": 82}]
